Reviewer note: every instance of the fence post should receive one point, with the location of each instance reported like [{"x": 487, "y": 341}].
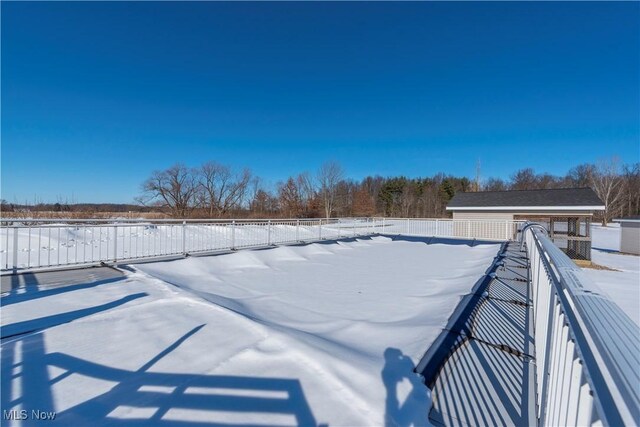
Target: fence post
[
  {"x": 269, "y": 233},
  {"x": 469, "y": 228},
  {"x": 115, "y": 242},
  {"x": 297, "y": 230},
  {"x": 383, "y": 224},
  {"x": 506, "y": 230},
  {"x": 407, "y": 226},
  {"x": 320, "y": 230},
  {"x": 184, "y": 237},
  {"x": 233, "y": 235},
  {"x": 353, "y": 226},
  {"x": 15, "y": 248},
  {"x": 437, "y": 228}
]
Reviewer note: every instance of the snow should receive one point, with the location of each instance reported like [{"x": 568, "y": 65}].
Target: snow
[
  {"x": 606, "y": 237},
  {"x": 623, "y": 285},
  {"x": 326, "y": 333}
]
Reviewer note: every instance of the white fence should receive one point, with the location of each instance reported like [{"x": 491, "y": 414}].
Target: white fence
[
  {"x": 587, "y": 348},
  {"x": 28, "y": 244},
  {"x": 460, "y": 229}
]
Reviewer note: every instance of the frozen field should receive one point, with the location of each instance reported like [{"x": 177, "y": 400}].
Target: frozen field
[
  {"x": 326, "y": 333},
  {"x": 623, "y": 285}
]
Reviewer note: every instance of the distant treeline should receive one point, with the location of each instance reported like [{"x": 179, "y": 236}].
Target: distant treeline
[
  {"x": 74, "y": 207},
  {"x": 80, "y": 211},
  {"x": 218, "y": 191}
]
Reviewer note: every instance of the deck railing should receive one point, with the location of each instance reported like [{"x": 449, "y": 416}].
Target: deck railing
[
  {"x": 27, "y": 244},
  {"x": 587, "y": 348}
]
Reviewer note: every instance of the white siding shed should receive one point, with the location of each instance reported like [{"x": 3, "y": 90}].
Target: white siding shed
[{"x": 629, "y": 235}]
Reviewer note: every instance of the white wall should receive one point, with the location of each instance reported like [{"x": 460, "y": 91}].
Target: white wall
[
  {"x": 630, "y": 237},
  {"x": 483, "y": 215}
]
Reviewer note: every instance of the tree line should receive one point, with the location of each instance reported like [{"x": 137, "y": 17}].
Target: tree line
[{"x": 214, "y": 190}]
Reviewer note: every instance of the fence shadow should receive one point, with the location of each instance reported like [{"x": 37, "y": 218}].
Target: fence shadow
[
  {"x": 480, "y": 385},
  {"x": 32, "y": 325},
  {"x": 442, "y": 240},
  {"x": 35, "y": 291},
  {"x": 15, "y": 284},
  {"x": 605, "y": 250},
  {"x": 481, "y": 371},
  {"x": 144, "y": 397}
]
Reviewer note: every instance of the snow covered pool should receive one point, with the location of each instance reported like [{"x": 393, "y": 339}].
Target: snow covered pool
[{"x": 325, "y": 333}]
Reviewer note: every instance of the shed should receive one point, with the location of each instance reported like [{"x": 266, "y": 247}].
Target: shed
[
  {"x": 629, "y": 234},
  {"x": 566, "y": 212}
]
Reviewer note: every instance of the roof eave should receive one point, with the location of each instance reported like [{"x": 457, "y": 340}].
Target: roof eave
[{"x": 525, "y": 208}]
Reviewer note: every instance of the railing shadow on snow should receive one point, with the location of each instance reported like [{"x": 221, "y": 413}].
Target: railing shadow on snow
[
  {"x": 27, "y": 383},
  {"x": 151, "y": 396},
  {"x": 46, "y": 322},
  {"x": 433, "y": 240},
  {"x": 25, "y": 287}
]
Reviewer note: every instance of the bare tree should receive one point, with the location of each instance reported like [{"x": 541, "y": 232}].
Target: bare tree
[
  {"x": 306, "y": 188},
  {"x": 580, "y": 176},
  {"x": 174, "y": 188},
  {"x": 631, "y": 177},
  {"x": 289, "y": 197},
  {"x": 363, "y": 204},
  {"x": 310, "y": 205},
  {"x": 221, "y": 189},
  {"x": 494, "y": 184},
  {"x": 524, "y": 179},
  {"x": 262, "y": 203},
  {"x": 329, "y": 175},
  {"x": 608, "y": 185},
  {"x": 407, "y": 199},
  {"x": 545, "y": 181}
]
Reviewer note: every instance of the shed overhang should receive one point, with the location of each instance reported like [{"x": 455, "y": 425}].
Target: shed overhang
[{"x": 586, "y": 209}]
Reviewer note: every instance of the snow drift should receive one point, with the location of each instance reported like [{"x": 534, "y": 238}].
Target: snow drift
[{"x": 326, "y": 333}]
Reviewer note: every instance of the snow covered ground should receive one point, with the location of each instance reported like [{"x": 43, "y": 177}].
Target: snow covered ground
[
  {"x": 607, "y": 238},
  {"x": 623, "y": 285},
  {"x": 326, "y": 333}
]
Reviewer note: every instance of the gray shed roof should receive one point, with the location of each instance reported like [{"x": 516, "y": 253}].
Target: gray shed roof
[{"x": 560, "y": 198}]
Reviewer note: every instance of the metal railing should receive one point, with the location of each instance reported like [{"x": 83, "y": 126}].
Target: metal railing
[
  {"x": 587, "y": 348},
  {"x": 30, "y": 244},
  {"x": 27, "y": 244}
]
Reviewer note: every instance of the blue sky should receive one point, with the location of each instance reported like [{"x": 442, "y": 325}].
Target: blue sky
[{"x": 97, "y": 95}]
